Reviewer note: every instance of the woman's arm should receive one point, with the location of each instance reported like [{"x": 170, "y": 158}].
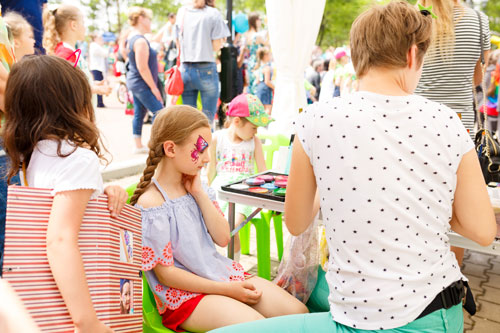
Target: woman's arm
[
  {"x": 473, "y": 215},
  {"x": 259, "y": 155},
  {"x": 65, "y": 260},
  {"x": 212, "y": 165},
  {"x": 141, "y": 50},
  {"x": 301, "y": 191},
  {"x": 267, "y": 77},
  {"x": 217, "y": 225},
  {"x": 478, "y": 72},
  {"x": 178, "y": 278},
  {"x": 217, "y": 44}
]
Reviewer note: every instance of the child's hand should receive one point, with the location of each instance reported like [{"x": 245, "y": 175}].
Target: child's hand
[
  {"x": 192, "y": 184},
  {"x": 244, "y": 291},
  {"x": 117, "y": 197}
]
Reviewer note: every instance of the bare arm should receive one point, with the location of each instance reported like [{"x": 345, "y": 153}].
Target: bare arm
[
  {"x": 4, "y": 75},
  {"x": 65, "y": 260},
  {"x": 217, "y": 44},
  {"x": 473, "y": 215},
  {"x": 141, "y": 50},
  {"x": 212, "y": 165},
  {"x": 301, "y": 191},
  {"x": 178, "y": 278},
  {"x": 217, "y": 225},
  {"x": 267, "y": 77},
  {"x": 478, "y": 72},
  {"x": 259, "y": 155}
]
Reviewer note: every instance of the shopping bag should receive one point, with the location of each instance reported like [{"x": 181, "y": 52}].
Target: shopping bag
[{"x": 111, "y": 252}]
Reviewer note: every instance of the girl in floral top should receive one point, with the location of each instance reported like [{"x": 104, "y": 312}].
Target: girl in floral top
[{"x": 195, "y": 287}]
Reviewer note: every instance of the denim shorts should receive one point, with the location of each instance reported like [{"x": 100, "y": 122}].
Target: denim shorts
[{"x": 264, "y": 93}]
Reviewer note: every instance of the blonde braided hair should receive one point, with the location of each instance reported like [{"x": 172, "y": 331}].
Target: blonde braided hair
[{"x": 174, "y": 123}]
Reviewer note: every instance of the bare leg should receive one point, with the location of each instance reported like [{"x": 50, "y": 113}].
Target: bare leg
[
  {"x": 138, "y": 142},
  {"x": 268, "y": 108},
  {"x": 216, "y": 311},
  {"x": 275, "y": 301},
  {"x": 459, "y": 254}
]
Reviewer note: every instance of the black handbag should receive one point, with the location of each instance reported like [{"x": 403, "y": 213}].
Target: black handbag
[{"x": 487, "y": 148}]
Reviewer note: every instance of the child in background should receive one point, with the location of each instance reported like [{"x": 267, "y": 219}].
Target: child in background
[
  {"x": 263, "y": 75},
  {"x": 50, "y": 128},
  {"x": 236, "y": 149},
  {"x": 23, "y": 43},
  {"x": 22, "y": 34},
  {"x": 196, "y": 288},
  {"x": 63, "y": 28}
]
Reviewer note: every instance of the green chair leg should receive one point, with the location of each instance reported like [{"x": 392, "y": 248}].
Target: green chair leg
[
  {"x": 245, "y": 239},
  {"x": 263, "y": 247},
  {"x": 278, "y": 232}
]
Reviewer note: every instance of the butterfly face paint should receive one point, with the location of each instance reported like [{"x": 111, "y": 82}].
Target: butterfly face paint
[{"x": 199, "y": 148}]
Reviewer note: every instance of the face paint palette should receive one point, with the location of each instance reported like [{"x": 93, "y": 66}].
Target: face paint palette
[{"x": 269, "y": 185}]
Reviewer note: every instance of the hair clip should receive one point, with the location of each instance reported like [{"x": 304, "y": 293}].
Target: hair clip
[{"x": 426, "y": 11}]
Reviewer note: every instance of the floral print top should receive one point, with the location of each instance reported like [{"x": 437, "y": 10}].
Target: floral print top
[{"x": 175, "y": 233}]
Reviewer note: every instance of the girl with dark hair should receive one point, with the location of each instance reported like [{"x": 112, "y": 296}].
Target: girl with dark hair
[{"x": 50, "y": 128}]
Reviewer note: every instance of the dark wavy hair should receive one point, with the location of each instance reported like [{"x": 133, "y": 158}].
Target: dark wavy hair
[{"x": 47, "y": 98}]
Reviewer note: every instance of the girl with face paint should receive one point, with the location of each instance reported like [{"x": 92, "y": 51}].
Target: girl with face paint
[{"x": 196, "y": 288}]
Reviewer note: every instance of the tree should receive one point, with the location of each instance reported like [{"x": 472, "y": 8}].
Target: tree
[{"x": 492, "y": 9}]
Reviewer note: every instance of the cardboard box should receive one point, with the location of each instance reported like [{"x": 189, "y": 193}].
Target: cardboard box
[{"x": 111, "y": 251}]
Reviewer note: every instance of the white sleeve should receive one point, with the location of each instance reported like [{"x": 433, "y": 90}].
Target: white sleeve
[
  {"x": 81, "y": 172},
  {"x": 304, "y": 128}
]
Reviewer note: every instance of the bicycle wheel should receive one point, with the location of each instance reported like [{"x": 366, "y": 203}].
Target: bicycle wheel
[{"x": 122, "y": 93}]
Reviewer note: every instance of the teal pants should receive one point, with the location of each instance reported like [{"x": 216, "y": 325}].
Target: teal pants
[
  {"x": 450, "y": 320},
  {"x": 320, "y": 320}
]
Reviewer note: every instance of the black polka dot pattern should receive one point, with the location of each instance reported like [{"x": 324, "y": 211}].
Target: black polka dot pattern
[{"x": 386, "y": 181}]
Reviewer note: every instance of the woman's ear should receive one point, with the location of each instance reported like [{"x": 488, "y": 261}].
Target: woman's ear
[
  {"x": 411, "y": 57},
  {"x": 169, "y": 148}
]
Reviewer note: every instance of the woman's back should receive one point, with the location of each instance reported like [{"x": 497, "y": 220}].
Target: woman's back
[
  {"x": 386, "y": 177},
  {"x": 449, "y": 81}
]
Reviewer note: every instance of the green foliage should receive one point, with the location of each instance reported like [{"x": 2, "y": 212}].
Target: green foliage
[
  {"x": 160, "y": 8},
  {"x": 492, "y": 9},
  {"x": 337, "y": 20}
]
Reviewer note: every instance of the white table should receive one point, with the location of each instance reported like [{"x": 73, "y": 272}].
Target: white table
[{"x": 248, "y": 200}]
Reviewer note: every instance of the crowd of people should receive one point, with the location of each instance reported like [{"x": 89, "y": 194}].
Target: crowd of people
[{"x": 383, "y": 154}]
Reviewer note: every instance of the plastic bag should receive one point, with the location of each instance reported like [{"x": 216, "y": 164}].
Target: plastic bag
[{"x": 298, "y": 270}]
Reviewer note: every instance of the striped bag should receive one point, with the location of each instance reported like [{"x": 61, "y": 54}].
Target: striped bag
[{"x": 111, "y": 251}]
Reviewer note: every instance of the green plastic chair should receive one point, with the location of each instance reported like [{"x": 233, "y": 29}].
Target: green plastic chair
[
  {"x": 262, "y": 224},
  {"x": 151, "y": 319},
  {"x": 130, "y": 191}
]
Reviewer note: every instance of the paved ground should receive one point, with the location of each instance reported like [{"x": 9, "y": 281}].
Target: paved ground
[{"x": 482, "y": 270}]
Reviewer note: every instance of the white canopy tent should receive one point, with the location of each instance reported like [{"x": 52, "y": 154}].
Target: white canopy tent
[{"x": 293, "y": 28}]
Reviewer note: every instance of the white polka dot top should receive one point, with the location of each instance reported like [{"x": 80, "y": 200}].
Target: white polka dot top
[{"x": 386, "y": 173}]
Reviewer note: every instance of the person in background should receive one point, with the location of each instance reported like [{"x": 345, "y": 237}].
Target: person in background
[
  {"x": 342, "y": 60},
  {"x": 314, "y": 77},
  {"x": 328, "y": 84},
  {"x": 23, "y": 44},
  {"x": 31, "y": 10},
  {"x": 263, "y": 79},
  {"x": 201, "y": 32},
  {"x": 236, "y": 150},
  {"x": 254, "y": 41},
  {"x": 98, "y": 56},
  {"x": 64, "y": 27},
  {"x": 22, "y": 34},
  {"x": 142, "y": 75},
  {"x": 453, "y": 66}
]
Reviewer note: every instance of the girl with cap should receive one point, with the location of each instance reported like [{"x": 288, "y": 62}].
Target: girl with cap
[{"x": 235, "y": 150}]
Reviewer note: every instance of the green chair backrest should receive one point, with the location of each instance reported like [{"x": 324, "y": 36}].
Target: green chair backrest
[
  {"x": 130, "y": 191},
  {"x": 271, "y": 144},
  {"x": 151, "y": 319}
]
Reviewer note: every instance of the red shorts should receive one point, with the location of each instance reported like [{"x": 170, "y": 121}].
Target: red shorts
[{"x": 173, "y": 319}]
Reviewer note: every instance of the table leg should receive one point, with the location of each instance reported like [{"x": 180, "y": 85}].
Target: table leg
[{"x": 230, "y": 219}]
